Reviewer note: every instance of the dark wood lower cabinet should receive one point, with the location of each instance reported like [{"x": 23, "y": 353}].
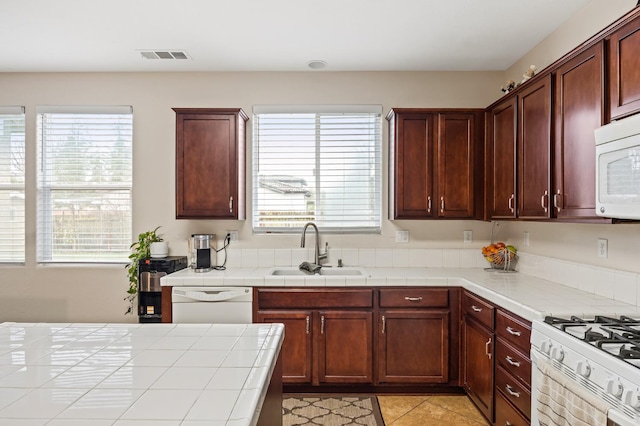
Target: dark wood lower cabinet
[
  {"x": 345, "y": 343},
  {"x": 413, "y": 346},
  {"x": 296, "y": 348},
  {"x": 477, "y": 368}
]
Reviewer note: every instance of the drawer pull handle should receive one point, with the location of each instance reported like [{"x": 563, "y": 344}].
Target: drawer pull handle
[
  {"x": 413, "y": 299},
  {"x": 442, "y": 204},
  {"x": 475, "y": 308},
  {"x": 486, "y": 348},
  {"x": 512, "y": 392},
  {"x": 384, "y": 324},
  {"x": 511, "y": 200},
  {"x": 308, "y": 322},
  {"x": 507, "y": 423},
  {"x": 322, "y": 324},
  {"x": 513, "y": 332},
  {"x": 544, "y": 201},
  {"x": 230, "y": 204},
  {"x": 429, "y": 204},
  {"x": 512, "y": 362}
]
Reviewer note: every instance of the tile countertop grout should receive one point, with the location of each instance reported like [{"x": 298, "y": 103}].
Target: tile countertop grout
[{"x": 530, "y": 297}]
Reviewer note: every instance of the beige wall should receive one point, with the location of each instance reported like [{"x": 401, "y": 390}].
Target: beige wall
[
  {"x": 38, "y": 293},
  {"x": 56, "y": 293}
]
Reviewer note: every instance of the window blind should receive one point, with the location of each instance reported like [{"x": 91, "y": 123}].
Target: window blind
[
  {"x": 12, "y": 173},
  {"x": 84, "y": 184},
  {"x": 320, "y": 164}
]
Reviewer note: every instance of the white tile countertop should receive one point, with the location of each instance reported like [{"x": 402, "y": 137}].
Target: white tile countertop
[
  {"x": 135, "y": 374},
  {"x": 528, "y": 296}
]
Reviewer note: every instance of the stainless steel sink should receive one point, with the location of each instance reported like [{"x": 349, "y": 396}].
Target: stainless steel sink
[{"x": 325, "y": 271}]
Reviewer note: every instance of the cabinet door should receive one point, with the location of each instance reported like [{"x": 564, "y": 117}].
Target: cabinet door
[
  {"x": 477, "y": 360},
  {"x": 411, "y": 151},
  {"x": 456, "y": 144},
  {"x": 210, "y": 163},
  {"x": 296, "y": 347},
  {"x": 413, "y": 346},
  {"x": 579, "y": 110},
  {"x": 501, "y": 160},
  {"x": 345, "y": 347},
  {"x": 534, "y": 149},
  {"x": 624, "y": 70}
]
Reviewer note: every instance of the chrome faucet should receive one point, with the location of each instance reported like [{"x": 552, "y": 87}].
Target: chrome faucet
[{"x": 318, "y": 256}]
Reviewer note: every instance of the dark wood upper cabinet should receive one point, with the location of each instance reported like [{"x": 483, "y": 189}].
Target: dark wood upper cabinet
[
  {"x": 411, "y": 137},
  {"x": 624, "y": 70},
  {"x": 501, "y": 159},
  {"x": 456, "y": 164},
  {"x": 433, "y": 156},
  {"x": 579, "y": 110},
  {"x": 210, "y": 163},
  {"x": 534, "y": 150}
]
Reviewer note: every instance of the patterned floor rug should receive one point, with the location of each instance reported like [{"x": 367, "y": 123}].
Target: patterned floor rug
[{"x": 327, "y": 410}]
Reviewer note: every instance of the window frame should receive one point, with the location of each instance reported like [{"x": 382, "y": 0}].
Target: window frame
[
  {"x": 45, "y": 188},
  {"x": 377, "y": 146}
]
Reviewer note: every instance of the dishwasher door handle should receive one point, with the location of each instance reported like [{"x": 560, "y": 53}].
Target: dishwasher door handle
[{"x": 204, "y": 296}]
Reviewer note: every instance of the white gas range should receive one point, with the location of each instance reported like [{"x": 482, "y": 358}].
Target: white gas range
[{"x": 600, "y": 354}]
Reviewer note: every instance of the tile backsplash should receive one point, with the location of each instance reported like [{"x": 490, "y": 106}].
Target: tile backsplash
[{"x": 610, "y": 283}]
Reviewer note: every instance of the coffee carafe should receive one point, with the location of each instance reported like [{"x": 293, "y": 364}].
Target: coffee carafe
[{"x": 202, "y": 249}]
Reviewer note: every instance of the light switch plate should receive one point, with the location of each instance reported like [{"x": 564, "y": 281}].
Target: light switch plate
[
  {"x": 525, "y": 239},
  {"x": 402, "y": 236},
  {"x": 468, "y": 236},
  {"x": 233, "y": 235}
]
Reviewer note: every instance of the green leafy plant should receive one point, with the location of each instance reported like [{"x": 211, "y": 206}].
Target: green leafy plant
[{"x": 139, "y": 250}]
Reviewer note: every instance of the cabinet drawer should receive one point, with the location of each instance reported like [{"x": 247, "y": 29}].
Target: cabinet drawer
[
  {"x": 506, "y": 414},
  {"x": 513, "y": 391},
  {"x": 513, "y": 329},
  {"x": 279, "y": 298},
  {"x": 414, "y": 297},
  {"x": 477, "y": 308},
  {"x": 513, "y": 361}
]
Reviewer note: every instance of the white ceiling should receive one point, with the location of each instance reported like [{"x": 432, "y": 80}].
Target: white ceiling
[{"x": 274, "y": 35}]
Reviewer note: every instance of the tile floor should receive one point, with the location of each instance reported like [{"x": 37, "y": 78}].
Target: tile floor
[{"x": 421, "y": 410}]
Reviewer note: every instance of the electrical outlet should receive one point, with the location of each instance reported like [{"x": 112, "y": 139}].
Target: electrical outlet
[
  {"x": 603, "y": 249},
  {"x": 234, "y": 236},
  {"x": 468, "y": 236},
  {"x": 525, "y": 239},
  {"x": 402, "y": 236}
]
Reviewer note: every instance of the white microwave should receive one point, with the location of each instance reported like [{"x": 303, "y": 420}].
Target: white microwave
[{"x": 618, "y": 169}]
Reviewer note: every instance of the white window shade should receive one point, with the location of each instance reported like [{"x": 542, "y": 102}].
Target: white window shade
[
  {"x": 84, "y": 184},
  {"x": 323, "y": 167},
  {"x": 12, "y": 173}
]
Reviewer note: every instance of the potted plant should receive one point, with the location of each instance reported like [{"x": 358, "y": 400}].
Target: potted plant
[{"x": 139, "y": 250}]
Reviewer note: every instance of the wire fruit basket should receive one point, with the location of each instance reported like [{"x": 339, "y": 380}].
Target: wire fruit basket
[{"x": 502, "y": 258}]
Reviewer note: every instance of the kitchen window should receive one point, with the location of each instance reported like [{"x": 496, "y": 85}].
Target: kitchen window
[
  {"x": 319, "y": 164},
  {"x": 84, "y": 184},
  {"x": 12, "y": 172}
]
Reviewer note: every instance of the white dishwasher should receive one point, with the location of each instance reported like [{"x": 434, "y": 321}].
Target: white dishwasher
[{"x": 223, "y": 305}]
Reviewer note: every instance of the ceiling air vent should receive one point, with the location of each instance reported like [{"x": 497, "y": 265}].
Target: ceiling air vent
[{"x": 164, "y": 54}]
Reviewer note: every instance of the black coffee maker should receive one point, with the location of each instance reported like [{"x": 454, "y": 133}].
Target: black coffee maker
[{"x": 149, "y": 290}]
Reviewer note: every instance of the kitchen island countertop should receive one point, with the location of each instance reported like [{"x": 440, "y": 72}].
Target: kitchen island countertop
[
  {"x": 125, "y": 374},
  {"x": 530, "y": 297}
]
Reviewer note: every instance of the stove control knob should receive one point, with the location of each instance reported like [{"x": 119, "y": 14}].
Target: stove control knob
[
  {"x": 545, "y": 346},
  {"x": 632, "y": 398},
  {"x": 557, "y": 353},
  {"x": 614, "y": 387},
  {"x": 583, "y": 368}
]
